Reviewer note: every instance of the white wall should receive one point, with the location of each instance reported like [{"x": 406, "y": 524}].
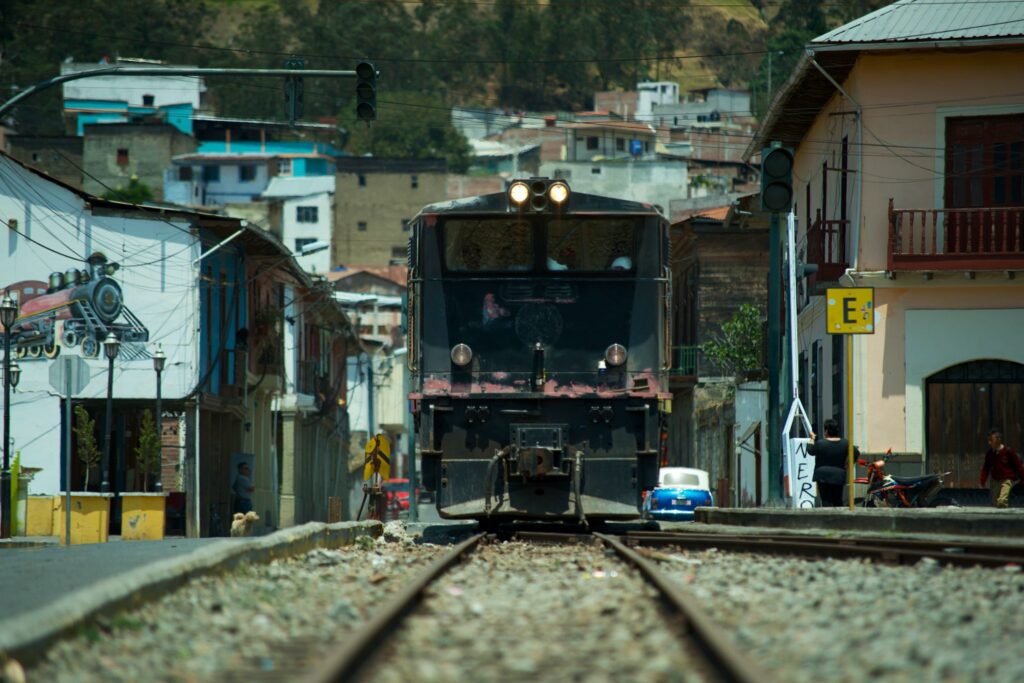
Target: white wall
[
  {"x": 292, "y": 229},
  {"x": 165, "y": 89},
  {"x": 655, "y": 182},
  {"x": 654, "y": 93},
  {"x": 937, "y": 339},
  {"x": 156, "y": 283}
]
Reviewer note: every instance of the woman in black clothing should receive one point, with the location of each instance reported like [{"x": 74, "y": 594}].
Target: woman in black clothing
[{"x": 830, "y": 458}]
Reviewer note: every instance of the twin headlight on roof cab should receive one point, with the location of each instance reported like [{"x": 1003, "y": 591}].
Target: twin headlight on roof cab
[{"x": 537, "y": 194}]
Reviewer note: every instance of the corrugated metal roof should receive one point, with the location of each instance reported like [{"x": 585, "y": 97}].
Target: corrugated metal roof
[{"x": 930, "y": 20}]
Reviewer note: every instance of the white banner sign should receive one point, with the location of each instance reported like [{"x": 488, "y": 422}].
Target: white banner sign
[{"x": 801, "y": 472}]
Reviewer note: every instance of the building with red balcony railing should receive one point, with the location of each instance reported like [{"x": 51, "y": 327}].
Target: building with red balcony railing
[{"x": 909, "y": 178}]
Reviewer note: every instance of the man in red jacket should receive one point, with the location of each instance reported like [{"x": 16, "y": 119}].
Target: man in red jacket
[{"x": 1003, "y": 464}]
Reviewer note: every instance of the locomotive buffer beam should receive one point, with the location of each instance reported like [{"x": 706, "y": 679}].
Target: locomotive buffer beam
[{"x": 538, "y": 449}]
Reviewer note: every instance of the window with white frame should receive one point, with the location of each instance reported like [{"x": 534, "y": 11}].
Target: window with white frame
[{"x": 284, "y": 167}]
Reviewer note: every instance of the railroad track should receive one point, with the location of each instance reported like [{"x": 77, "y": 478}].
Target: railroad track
[
  {"x": 879, "y": 549},
  {"x": 722, "y": 661}
]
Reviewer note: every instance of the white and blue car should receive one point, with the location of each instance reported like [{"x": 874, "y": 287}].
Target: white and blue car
[{"x": 679, "y": 492}]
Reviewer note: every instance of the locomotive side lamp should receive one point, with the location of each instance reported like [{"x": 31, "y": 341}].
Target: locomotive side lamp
[
  {"x": 615, "y": 355},
  {"x": 462, "y": 354},
  {"x": 111, "y": 345},
  {"x": 8, "y": 314}
]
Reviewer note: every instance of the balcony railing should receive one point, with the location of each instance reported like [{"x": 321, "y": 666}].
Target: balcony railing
[
  {"x": 308, "y": 377},
  {"x": 826, "y": 246},
  {"x": 984, "y": 238},
  {"x": 684, "y": 361}
]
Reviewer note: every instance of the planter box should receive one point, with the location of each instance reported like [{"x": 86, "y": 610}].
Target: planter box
[
  {"x": 143, "y": 516},
  {"x": 39, "y": 516},
  {"x": 90, "y": 517}
]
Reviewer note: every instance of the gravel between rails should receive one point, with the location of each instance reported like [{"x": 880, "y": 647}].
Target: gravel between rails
[
  {"x": 520, "y": 612},
  {"x": 219, "y": 628},
  {"x": 853, "y": 620}
]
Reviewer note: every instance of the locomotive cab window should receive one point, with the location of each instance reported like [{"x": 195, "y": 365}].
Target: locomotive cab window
[
  {"x": 592, "y": 244},
  {"x": 488, "y": 245}
]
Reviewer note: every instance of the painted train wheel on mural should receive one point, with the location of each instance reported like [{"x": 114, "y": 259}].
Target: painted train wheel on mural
[{"x": 74, "y": 308}]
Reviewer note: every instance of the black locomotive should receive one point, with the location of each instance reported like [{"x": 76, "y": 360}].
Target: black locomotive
[{"x": 539, "y": 328}]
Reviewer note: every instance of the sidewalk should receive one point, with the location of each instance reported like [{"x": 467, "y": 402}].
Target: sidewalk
[{"x": 36, "y": 570}]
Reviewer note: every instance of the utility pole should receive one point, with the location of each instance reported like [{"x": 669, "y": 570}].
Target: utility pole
[{"x": 776, "y": 197}]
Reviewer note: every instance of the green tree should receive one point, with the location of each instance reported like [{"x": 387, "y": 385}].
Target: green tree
[
  {"x": 136, "y": 192},
  {"x": 147, "y": 453},
  {"x": 410, "y": 125},
  {"x": 738, "y": 346},
  {"x": 88, "y": 452}
]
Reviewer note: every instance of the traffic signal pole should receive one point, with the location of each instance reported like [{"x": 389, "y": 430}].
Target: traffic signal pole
[
  {"x": 170, "y": 71},
  {"x": 776, "y": 198},
  {"x": 774, "y": 361}
]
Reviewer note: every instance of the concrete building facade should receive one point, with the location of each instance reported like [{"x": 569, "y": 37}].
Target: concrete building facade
[
  {"x": 114, "y": 152},
  {"x": 375, "y": 200}
]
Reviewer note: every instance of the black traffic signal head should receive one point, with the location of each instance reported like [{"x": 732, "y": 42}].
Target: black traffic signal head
[
  {"x": 776, "y": 179},
  {"x": 366, "y": 91}
]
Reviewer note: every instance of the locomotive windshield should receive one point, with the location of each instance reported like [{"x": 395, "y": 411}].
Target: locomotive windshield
[
  {"x": 573, "y": 285},
  {"x": 492, "y": 245},
  {"x": 488, "y": 245},
  {"x": 591, "y": 244}
]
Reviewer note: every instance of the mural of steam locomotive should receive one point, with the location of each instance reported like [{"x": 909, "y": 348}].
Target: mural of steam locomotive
[{"x": 78, "y": 307}]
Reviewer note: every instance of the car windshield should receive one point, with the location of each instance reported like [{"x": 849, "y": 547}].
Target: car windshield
[{"x": 680, "y": 479}]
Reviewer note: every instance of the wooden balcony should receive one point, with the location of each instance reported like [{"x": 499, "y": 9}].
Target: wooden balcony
[
  {"x": 984, "y": 238},
  {"x": 826, "y": 247}
]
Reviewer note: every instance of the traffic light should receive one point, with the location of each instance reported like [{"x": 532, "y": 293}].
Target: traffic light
[
  {"x": 366, "y": 91},
  {"x": 776, "y": 179},
  {"x": 293, "y": 95}
]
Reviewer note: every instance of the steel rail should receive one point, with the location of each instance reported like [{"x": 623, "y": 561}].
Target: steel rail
[
  {"x": 897, "y": 551},
  {"x": 730, "y": 663},
  {"x": 344, "y": 663}
]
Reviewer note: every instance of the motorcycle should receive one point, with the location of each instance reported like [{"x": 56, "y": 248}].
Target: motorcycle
[{"x": 887, "y": 491}]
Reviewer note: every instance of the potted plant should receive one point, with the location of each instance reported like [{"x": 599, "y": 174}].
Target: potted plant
[
  {"x": 143, "y": 513},
  {"x": 89, "y": 515}
]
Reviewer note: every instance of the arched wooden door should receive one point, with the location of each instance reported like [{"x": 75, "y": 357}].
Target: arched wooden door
[{"x": 965, "y": 401}]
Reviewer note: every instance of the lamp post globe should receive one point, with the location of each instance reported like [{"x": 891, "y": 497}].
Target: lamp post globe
[
  {"x": 111, "y": 345},
  {"x": 15, "y": 371},
  {"x": 158, "y": 365},
  {"x": 159, "y": 359},
  {"x": 8, "y": 311}
]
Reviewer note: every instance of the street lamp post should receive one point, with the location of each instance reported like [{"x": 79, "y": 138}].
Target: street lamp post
[
  {"x": 111, "y": 345},
  {"x": 158, "y": 364},
  {"x": 8, "y": 314}
]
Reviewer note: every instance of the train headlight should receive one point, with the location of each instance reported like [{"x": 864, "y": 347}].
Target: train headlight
[
  {"x": 615, "y": 355},
  {"x": 518, "y": 192},
  {"x": 462, "y": 354},
  {"x": 559, "y": 192}
]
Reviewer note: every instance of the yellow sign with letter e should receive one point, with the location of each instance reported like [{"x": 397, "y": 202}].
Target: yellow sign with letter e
[{"x": 850, "y": 310}]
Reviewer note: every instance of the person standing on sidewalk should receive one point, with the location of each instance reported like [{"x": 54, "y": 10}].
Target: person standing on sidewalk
[
  {"x": 1003, "y": 465},
  {"x": 830, "y": 459}
]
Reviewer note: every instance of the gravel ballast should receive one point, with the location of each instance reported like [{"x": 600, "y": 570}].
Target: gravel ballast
[
  {"x": 261, "y": 619},
  {"x": 852, "y": 620},
  {"x": 519, "y": 612}
]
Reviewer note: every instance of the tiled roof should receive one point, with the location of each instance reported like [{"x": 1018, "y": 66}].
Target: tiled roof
[{"x": 930, "y": 20}]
